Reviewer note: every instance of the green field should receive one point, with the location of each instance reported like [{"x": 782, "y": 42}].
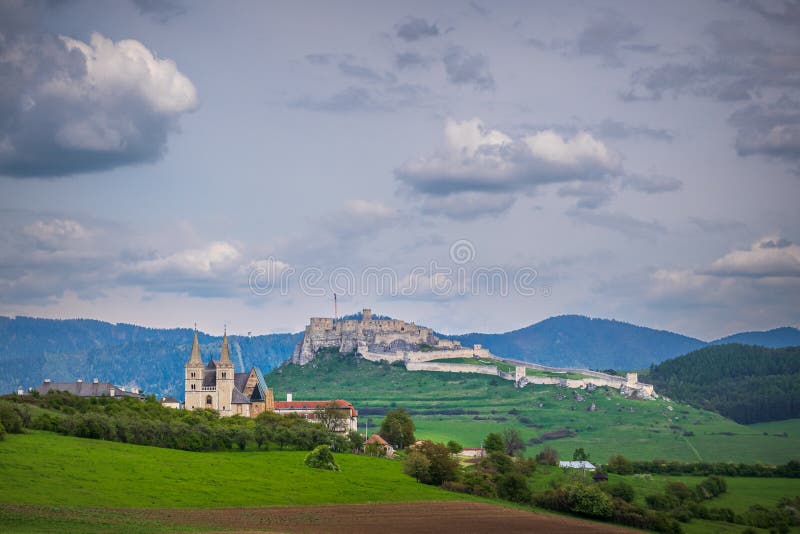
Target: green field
[
  {"x": 466, "y": 407},
  {"x": 42, "y": 468}
]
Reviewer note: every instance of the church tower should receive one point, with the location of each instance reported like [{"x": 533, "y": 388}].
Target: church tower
[
  {"x": 225, "y": 372},
  {"x": 193, "y": 377}
]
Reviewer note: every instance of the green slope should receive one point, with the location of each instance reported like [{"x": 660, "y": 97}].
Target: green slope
[
  {"x": 466, "y": 407},
  {"x": 747, "y": 383},
  {"x": 42, "y": 468}
]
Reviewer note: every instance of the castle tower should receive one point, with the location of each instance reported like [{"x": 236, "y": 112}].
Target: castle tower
[
  {"x": 193, "y": 377},
  {"x": 225, "y": 372}
]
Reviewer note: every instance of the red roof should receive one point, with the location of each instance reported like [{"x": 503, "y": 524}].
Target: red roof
[
  {"x": 376, "y": 438},
  {"x": 313, "y": 405}
]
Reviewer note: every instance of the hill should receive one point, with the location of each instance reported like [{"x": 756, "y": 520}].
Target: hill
[
  {"x": 578, "y": 341},
  {"x": 747, "y": 383},
  {"x": 775, "y": 338},
  {"x": 152, "y": 359},
  {"x": 466, "y": 407}
]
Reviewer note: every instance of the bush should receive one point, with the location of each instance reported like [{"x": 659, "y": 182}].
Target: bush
[
  {"x": 2, "y": 432},
  {"x": 621, "y": 490},
  {"x": 548, "y": 456},
  {"x": 417, "y": 465},
  {"x": 443, "y": 466},
  {"x": 10, "y": 417},
  {"x": 321, "y": 458},
  {"x": 620, "y": 465},
  {"x": 514, "y": 487}
]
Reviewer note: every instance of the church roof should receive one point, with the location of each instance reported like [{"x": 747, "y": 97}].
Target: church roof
[
  {"x": 86, "y": 389},
  {"x": 238, "y": 397}
]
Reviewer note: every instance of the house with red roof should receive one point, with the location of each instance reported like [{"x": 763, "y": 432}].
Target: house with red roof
[
  {"x": 340, "y": 415},
  {"x": 388, "y": 450}
]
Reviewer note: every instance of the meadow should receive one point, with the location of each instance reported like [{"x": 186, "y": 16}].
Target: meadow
[{"x": 466, "y": 407}]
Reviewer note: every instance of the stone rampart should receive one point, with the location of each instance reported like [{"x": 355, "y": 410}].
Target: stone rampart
[{"x": 452, "y": 367}]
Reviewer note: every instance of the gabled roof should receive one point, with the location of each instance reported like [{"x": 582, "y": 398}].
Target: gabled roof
[
  {"x": 376, "y": 438},
  {"x": 313, "y": 405},
  {"x": 237, "y": 397},
  {"x": 169, "y": 399}
]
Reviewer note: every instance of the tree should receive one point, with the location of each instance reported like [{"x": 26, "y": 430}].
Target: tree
[
  {"x": 443, "y": 466},
  {"x": 332, "y": 417},
  {"x": 514, "y": 487},
  {"x": 374, "y": 449},
  {"x": 622, "y": 490},
  {"x": 241, "y": 438},
  {"x": 356, "y": 440},
  {"x": 417, "y": 465},
  {"x": 620, "y": 465},
  {"x": 494, "y": 443},
  {"x": 580, "y": 455},
  {"x": 321, "y": 458},
  {"x": 547, "y": 456},
  {"x": 512, "y": 442},
  {"x": 454, "y": 446},
  {"x": 398, "y": 428},
  {"x": 262, "y": 434}
]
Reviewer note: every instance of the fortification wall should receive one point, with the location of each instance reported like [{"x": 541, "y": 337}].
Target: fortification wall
[
  {"x": 426, "y": 356},
  {"x": 452, "y": 367}
]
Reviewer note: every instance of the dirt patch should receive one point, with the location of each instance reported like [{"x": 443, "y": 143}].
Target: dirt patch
[{"x": 426, "y": 517}]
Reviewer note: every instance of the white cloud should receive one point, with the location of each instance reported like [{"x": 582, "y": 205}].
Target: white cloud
[
  {"x": 768, "y": 257},
  {"x": 477, "y": 158},
  {"x": 208, "y": 261},
  {"x": 369, "y": 208},
  {"x": 82, "y": 107}
]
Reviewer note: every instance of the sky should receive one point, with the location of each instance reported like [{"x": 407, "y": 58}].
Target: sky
[{"x": 471, "y": 166}]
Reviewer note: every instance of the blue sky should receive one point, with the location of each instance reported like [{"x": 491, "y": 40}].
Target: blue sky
[{"x": 468, "y": 165}]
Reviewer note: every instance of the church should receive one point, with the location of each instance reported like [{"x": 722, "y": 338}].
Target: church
[{"x": 217, "y": 386}]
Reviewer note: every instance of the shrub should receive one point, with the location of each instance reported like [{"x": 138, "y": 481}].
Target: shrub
[
  {"x": 514, "y": 487},
  {"x": 321, "y": 458},
  {"x": 547, "y": 456},
  {"x": 2, "y": 432},
  {"x": 620, "y": 465},
  {"x": 589, "y": 501},
  {"x": 10, "y": 418},
  {"x": 443, "y": 466},
  {"x": 621, "y": 490},
  {"x": 417, "y": 465}
]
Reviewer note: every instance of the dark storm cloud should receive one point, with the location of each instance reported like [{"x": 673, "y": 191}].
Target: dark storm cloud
[
  {"x": 161, "y": 11},
  {"x": 464, "y": 68},
  {"x": 69, "y": 107},
  {"x": 415, "y": 28},
  {"x": 785, "y": 13}
]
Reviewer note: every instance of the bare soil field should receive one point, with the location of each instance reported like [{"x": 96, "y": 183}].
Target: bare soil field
[{"x": 428, "y": 517}]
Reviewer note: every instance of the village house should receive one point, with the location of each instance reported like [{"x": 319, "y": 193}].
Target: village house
[
  {"x": 345, "y": 415},
  {"x": 383, "y": 445},
  {"x": 95, "y": 388}
]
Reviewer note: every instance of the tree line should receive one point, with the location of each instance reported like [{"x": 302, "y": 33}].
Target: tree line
[{"x": 747, "y": 383}]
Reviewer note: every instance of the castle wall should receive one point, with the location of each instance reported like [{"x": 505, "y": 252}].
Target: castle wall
[{"x": 452, "y": 367}]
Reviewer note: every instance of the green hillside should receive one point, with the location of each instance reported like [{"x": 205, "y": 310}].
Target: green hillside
[
  {"x": 466, "y": 407},
  {"x": 43, "y": 468},
  {"x": 747, "y": 383}
]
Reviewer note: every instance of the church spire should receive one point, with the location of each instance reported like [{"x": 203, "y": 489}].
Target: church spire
[
  {"x": 195, "y": 357},
  {"x": 225, "y": 356}
]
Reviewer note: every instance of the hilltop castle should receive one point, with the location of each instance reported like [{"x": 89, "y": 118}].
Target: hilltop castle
[
  {"x": 218, "y": 387},
  {"x": 367, "y": 334}
]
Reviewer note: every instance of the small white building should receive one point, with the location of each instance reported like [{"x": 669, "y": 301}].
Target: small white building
[{"x": 582, "y": 464}]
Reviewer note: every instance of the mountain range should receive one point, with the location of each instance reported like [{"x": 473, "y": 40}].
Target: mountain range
[{"x": 152, "y": 359}]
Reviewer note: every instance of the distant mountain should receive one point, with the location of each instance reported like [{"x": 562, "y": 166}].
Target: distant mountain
[
  {"x": 148, "y": 358},
  {"x": 747, "y": 383},
  {"x": 152, "y": 359},
  {"x": 578, "y": 341},
  {"x": 776, "y": 338}
]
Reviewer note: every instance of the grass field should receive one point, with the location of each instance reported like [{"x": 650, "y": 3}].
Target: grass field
[
  {"x": 42, "y": 468},
  {"x": 466, "y": 407}
]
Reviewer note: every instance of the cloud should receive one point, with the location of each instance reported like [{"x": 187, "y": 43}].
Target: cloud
[
  {"x": 606, "y": 35},
  {"x": 463, "y": 68},
  {"x": 362, "y": 72},
  {"x": 71, "y": 107},
  {"x": 468, "y": 205},
  {"x": 770, "y": 130},
  {"x": 619, "y": 222},
  {"x": 716, "y": 225},
  {"x": 590, "y": 195},
  {"x": 613, "y": 129},
  {"x": 414, "y": 29},
  {"x": 785, "y": 13},
  {"x": 476, "y": 158},
  {"x": 767, "y": 258},
  {"x": 410, "y": 60},
  {"x": 651, "y": 184},
  {"x": 351, "y": 99},
  {"x": 161, "y": 11}
]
